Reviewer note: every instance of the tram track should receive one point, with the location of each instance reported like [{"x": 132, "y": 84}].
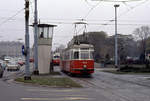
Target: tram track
[
  {"x": 89, "y": 83},
  {"x": 110, "y": 85},
  {"x": 122, "y": 80}
]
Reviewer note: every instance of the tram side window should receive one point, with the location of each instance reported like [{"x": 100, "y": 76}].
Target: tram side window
[
  {"x": 71, "y": 54},
  {"x": 76, "y": 55},
  {"x": 67, "y": 55}
]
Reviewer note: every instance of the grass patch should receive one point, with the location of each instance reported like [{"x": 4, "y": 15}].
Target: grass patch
[
  {"x": 50, "y": 81},
  {"x": 55, "y": 73},
  {"x": 50, "y": 74}
]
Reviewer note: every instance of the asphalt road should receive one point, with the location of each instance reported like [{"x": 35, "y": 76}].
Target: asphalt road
[
  {"x": 100, "y": 87},
  {"x": 118, "y": 87}
]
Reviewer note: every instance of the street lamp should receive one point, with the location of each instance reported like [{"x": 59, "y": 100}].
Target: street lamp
[{"x": 116, "y": 41}]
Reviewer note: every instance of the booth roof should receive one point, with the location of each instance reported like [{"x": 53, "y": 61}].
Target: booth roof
[{"x": 46, "y": 25}]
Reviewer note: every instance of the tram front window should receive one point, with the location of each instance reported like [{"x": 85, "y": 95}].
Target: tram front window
[
  {"x": 84, "y": 55},
  {"x": 56, "y": 57},
  {"x": 76, "y": 55},
  {"x": 91, "y": 55}
]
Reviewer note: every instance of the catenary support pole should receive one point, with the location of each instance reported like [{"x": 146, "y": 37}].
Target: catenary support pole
[
  {"x": 27, "y": 47},
  {"x": 116, "y": 40},
  {"x": 36, "y": 71}
]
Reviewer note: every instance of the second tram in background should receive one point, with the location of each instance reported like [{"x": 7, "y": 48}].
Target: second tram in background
[
  {"x": 78, "y": 59},
  {"x": 56, "y": 58}
]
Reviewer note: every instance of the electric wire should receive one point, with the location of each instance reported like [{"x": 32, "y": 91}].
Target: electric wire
[
  {"x": 61, "y": 21},
  {"x": 93, "y": 7},
  {"x": 88, "y": 3},
  {"x": 122, "y": 14},
  {"x": 133, "y": 7},
  {"x": 92, "y": 23},
  {"x": 128, "y": 7},
  {"x": 117, "y": 0},
  {"x": 11, "y": 17}
]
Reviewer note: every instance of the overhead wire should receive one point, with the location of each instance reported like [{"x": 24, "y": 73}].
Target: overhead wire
[
  {"x": 108, "y": 20},
  {"x": 92, "y": 23},
  {"x": 117, "y": 0},
  {"x": 93, "y": 7},
  {"x": 131, "y": 8},
  {"x": 61, "y": 21},
  {"x": 11, "y": 17},
  {"x": 125, "y": 11},
  {"x": 128, "y": 7},
  {"x": 14, "y": 15}
]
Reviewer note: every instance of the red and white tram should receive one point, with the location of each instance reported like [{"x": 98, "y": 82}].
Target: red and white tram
[
  {"x": 78, "y": 59},
  {"x": 56, "y": 58}
]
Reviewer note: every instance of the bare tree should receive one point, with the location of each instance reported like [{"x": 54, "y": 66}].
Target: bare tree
[{"x": 142, "y": 34}]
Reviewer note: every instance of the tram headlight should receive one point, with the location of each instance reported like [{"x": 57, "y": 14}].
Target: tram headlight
[{"x": 84, "y": 66}]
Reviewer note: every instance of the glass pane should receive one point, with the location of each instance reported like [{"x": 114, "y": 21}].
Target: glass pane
[
  {"x": 76, "y": 55},
  {"x": 50, "y": 32},
  {"x": 45, "y": 32},
  {"x": 56, "y": 57},
  {"x": 91, "y": 55},
  {"x": 84, "y": 55},
  {"x": 71, "y": 54}
]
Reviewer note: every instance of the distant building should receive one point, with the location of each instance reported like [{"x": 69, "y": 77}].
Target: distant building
[{"x": 10, "y": 48}]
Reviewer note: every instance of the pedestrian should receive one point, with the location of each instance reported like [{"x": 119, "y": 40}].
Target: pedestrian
[{"x": 4, "y": 65}]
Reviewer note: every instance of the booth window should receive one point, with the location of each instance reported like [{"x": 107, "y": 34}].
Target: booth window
[{"x": 43, "y": 32}]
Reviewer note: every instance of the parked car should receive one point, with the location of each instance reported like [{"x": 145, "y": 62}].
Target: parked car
[
  {"x": 1, "y": 71},
  {"x": 11, "y": 66},
  {"x": 21, "y": 63},
  {"x": 31, "y": 60}
]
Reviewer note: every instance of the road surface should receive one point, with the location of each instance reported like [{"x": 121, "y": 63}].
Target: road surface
[{"x": 100, "y": 87}]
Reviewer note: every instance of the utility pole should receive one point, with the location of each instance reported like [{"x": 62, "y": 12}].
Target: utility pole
[
  {"x": 27, "y": 47},
  {"x": 36, "y": 71},
  {"x": 116, "y": 40}
]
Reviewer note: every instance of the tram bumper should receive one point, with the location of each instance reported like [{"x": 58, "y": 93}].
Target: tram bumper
[{"x": 83, "y": 70}]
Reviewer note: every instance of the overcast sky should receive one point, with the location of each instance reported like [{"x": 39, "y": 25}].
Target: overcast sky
[{"x": 133, "y": 14}]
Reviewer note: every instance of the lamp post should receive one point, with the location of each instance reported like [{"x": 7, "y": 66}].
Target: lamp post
[{"x": 116, "y": 41}]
